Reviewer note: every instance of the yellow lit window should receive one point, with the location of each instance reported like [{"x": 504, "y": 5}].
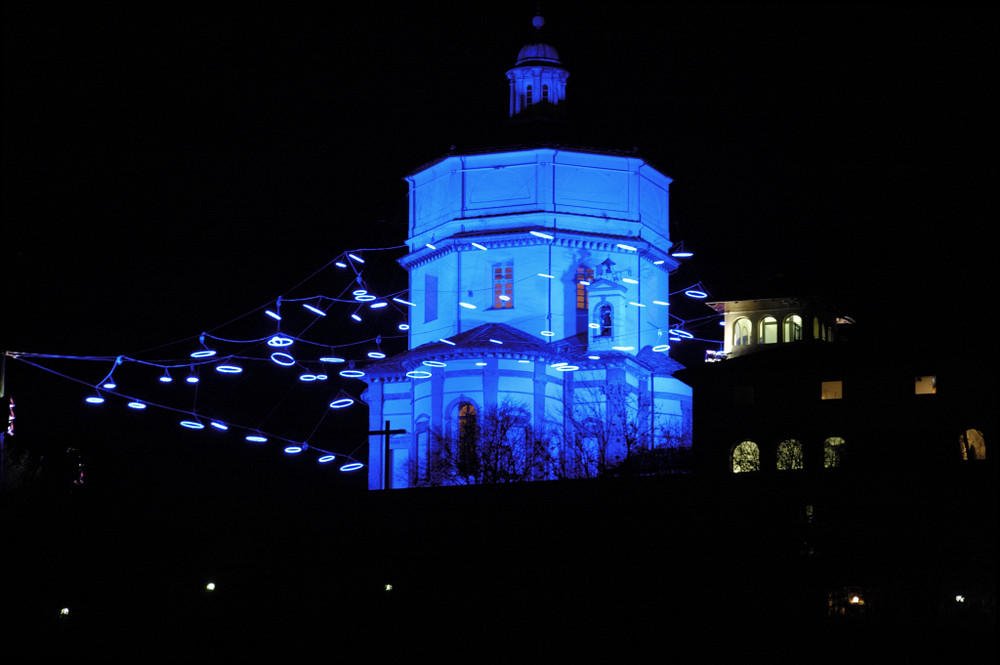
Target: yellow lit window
[{"x": 832, "y": 390}]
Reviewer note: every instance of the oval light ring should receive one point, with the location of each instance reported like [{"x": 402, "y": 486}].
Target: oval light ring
[
  {"x": 419, "y": 374},
  {"x": 353, "y": 466},
  {"x": 351, "y": 373},
  {"x": 282, "y": 358},
  {"x": 341, "y": 403}
]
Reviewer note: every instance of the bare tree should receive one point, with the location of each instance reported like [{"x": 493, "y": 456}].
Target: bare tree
[
  {"x": 497, "y": 446},
  {"x": 607, "y": 425}
]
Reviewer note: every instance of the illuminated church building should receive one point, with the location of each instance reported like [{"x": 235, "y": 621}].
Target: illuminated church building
[{"x": 538, "y": 286}]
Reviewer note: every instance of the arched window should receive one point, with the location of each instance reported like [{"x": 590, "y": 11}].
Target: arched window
[
  {"x": 746, "y": 457},
  {"x": 833, "y": 452},
  {"x": 545, "y": 92},
  {"x": 973, "y": 444},
  {"x": 768, "y": 330},
  {"x": 793, "y": 328},
  {"x": 467, "y": 436},
  {"x": 741, "y": 332},
  {"x": 604, "y": 321},
  {"x": 528, "y": 93},
  {"x": 789, "y": 455}
]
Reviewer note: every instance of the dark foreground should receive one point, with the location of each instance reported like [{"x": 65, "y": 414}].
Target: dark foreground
[{"x": 674, "y": 568}]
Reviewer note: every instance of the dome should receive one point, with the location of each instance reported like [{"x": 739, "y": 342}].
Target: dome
[{"x": 537, "y": 53}]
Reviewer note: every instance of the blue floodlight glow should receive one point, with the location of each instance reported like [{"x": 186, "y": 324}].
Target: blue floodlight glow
[
  {"x": 282, "y": 358},
  {"x": 326, "y": 458},
  {"x": 628, "y": 248},
  {"x": 314, "y": 310},
  {"x": 222, "y": 427},
  {"x": 354, "y": 257},
  {"x": 353, "y": 466},
  {"x": 255, "y": 438},
  {"x": 405, "y": 302},
  {"x": 229, "y": 369},
  {"x": 273, "y": 315},
  {"x": 331, "y": 359},
  {"x": 341, "y": 403},
  {"x": 351, "y": 373},
  {"x": 695, "y": 293},
  {"x": 279, "y": 341},
  {"x": 204, "y": 353},
  {"x": 192, "y": 424}
]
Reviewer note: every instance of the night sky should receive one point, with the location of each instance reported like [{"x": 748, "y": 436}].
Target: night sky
[{"x": 170, "y": 167}]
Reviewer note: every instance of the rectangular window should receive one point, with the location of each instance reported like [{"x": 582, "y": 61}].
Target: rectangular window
[
  {"x": 584, "y": 276},
  {"x": 925, "y": 385},
  {"x": 503, "y": 285},
  {"x": 430, "y": 298},
  {"x": 832, "y": 390}
]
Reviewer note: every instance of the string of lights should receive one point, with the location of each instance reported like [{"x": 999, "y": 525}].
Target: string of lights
[{"x": 316, "y": 359}]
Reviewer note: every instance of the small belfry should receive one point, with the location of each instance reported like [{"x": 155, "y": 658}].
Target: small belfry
[
  {"x": 539, "y": 313},
  {"x": 538, "y": 77}
]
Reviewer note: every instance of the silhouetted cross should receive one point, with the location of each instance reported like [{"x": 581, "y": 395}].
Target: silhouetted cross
[{"x": 387, "y": 459}]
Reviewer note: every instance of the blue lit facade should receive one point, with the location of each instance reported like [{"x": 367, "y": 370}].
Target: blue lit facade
[{"x": 539, "y": 277}]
